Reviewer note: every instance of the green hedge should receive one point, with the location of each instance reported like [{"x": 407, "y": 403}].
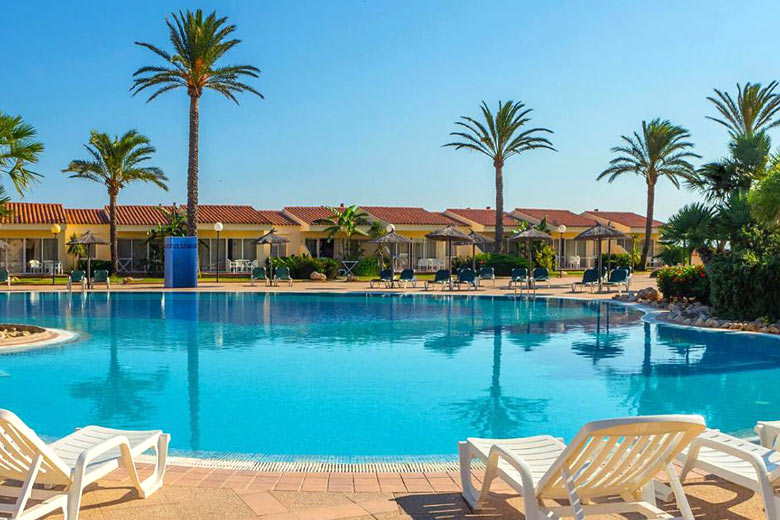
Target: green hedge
[
  {"x": 501, "y": 264},
  {"x": 366, "y": 267},
  {"x": 746, "y": 286},
  {"x": 302, "y": 266},
  {"x": 684, "y": 283},
  {"x": 97, "y": 265}
]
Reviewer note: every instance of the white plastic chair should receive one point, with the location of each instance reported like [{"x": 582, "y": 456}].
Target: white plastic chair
[
  {"x": 738, "y": 461},
  {"x": 74, "y": 461},
  {"x": 610, "y": 458}
]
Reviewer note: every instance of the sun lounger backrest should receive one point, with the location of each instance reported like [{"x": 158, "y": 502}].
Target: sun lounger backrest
[
  {"x": 590, "y": 275},
  {"x": 386, "y": 274},
  {"x": 618, "y": 276},
  {"x": 76, "y": 276},
  {"x": 258, "y": 273},
  {"x": 487, "y": 272},
  {"x": 3, "y": 275},
  {"x": 442, "y": 275},
  {"x": 283, "y": 272},
  {"x": 101, "y": 275},
  {"x": 615, "y": 456},
  {"x": 519, "y": 273},
  {"x": 19, "y": 445},
  {"x": 541, "y": 273},
  {"x": 466, "y": 275},
  {"x": 407, "y": 274}
]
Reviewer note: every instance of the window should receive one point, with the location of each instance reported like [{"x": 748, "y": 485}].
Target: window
[
  {"x": 250, "y": 249},
  {"x": 278, "y": 250}
]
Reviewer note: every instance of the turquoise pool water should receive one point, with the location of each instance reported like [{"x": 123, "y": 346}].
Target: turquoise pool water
[{"x": 350, "y": 375}]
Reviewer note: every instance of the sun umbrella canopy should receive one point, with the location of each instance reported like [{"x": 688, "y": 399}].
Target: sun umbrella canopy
[
  {"x": 600, "y": 231},
  {"x": 391, "y": 238},
  {"x": 271, "y": 238},
  {"x": 449, "y": 233},
  {"x": 87, "y": 239},
  {"x": 480, "y": 240},
  {"x": 530, "y": 234}
]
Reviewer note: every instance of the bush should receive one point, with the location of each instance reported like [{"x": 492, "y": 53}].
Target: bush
[
  {"x": 96, "y": 265},
  {"x": 501, "y": 264},
  {"x": 366, "y": 267},
  {"x": 746, "y": 281},
  {"x": 617, "y": 259},
  {"x": 302, "y": 266},
  {"x": 672, "y": 255},
  {"x": 544, "y": 256},
  {"x": 684, "y": 283}
]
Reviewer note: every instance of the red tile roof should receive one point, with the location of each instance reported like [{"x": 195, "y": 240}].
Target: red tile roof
[
  {"x": 137, "y": 215},
  {"x": 276, "y": 218},
  {"x": 627, "y": 218},
  {"x": 408, "y": 216},
  {"x": 86, "y": 216},
  {"x": 310, "y": 214},
  {"x": 484, "y": 217},
  {"x": 34, "y": 213},
  {"x": 556, "y": 217}
]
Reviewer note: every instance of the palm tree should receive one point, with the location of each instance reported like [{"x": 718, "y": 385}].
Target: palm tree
[
  {"x": 5, "y": 211},
  {"x": 345, "y": 220},
  {"x": 18, "y": 149},
  {"x": 198, "y": 44},
  {"x": 753, "y": 111},
  {"x": 115, "y": 163},
  {"x": 690, "y": 228},
  {"x": 661, "y": 150},
  {"x": 75, "y": 249},
  {"x": 500, "y": 137}
]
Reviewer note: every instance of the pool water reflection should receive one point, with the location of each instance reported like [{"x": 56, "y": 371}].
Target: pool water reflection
[{"x": 352, "y": 375}]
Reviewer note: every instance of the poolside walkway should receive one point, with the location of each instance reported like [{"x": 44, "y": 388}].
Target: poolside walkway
[
  {"x": 198, "y": 493},
  {"x": 558, "y": 287}
]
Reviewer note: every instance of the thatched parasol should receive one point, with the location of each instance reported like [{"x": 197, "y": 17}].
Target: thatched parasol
[
  {"x": 87, "y": 239},
  {"x": 271, "y": 238},
  {"x": 450, "y": 235},
  {"x": 391, "y": 237},
  {"x": 599, "y": 232},
  {"x": 530, "y": 235},
  {"x": 480, "y": 241}
]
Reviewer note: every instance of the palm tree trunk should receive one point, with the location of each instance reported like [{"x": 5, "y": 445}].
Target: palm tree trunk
[
  {"x": 192, "y": 170},
  {"x": 498, "y": 246},
  {"x": 648, "y": 225},
  {"x": 112, "y": 230}
]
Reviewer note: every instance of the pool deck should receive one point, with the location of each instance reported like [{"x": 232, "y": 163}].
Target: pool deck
[
  {"x": 200, "y": 493},
  {"x": 195, "y": 493},
  {"x": 560, "y": 287}
]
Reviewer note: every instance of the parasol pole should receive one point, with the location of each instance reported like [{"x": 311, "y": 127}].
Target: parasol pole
[
  {"x": 474, "y": 257},
  {"x": 601, "y": 280}
]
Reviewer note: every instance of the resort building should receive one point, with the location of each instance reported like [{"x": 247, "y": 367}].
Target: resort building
[
  {"x": 35, "y": 248},
  {"x": 632, "y": 225}
]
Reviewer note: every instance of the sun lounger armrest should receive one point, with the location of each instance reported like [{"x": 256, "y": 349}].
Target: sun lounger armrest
[
  {"x": 516, "y": 462},
  {"x": 751, "y": 458},
  {"x": 87, "y": 456}
]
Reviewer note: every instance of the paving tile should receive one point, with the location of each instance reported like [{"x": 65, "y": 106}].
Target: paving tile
[
  {"x": 367, "y": 486},
  {"x": 418, "y": 485},
  {"x": 350, "y": 510},
  {"x": 238, "y": 482},
  {"x": 262, "y": 503},
  {"x": 262, "y": 483},
  {"x": 390, "y": 485},
  {"x": 315, "y": 484},
  {"x": 379, "y": 506},
  {"x": 443, "y": 484}
]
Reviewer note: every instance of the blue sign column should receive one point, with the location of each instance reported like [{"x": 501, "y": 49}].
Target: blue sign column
[{"x": 181, "y": 262}]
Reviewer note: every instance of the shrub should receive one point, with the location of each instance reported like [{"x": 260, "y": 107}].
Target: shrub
[
  {"x": 366, "y": 267},
  {"x": 96, "y": 265},
  {"x": 544, "y": 256},
  {"x": 672, "y": 255},
  {"x": 684, "y": 283},
  {"x": 617, "y": 259},
  {"x": 746, "y": 281},
  {"x": 501, "y": 264},
  {"x": 302, "y": 266}
]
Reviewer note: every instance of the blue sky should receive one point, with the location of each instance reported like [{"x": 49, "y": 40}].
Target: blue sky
[{"x": 360, "y": 95}]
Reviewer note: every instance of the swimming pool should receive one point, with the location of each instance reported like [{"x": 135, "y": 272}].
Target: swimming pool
[{"x": 383, "y": 375}]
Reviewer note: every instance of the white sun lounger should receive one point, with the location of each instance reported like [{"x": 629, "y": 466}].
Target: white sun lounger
[
  {"x": 769, "y": 434},
  {"x": 74, "y": 461},
  {"x": 615, "y": 457},
  {"x": 738, "y": 461}
]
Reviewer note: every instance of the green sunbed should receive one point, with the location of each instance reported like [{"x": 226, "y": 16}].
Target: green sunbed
[
  {"x": 385, "y": 277},
  {"x": 258, "y": 273},
  {"x": 283, "y": 274},
  {"x": 442, "y": 277}
]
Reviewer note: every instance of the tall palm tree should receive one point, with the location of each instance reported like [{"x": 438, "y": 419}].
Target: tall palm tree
[
  {"x": 18, "y": 150},
  {"x": 345, "y": 220},
  {"x": 500, "y": 137},
  {"x": 116, "y": 162},
  {"x": 198, "y": 44},
  {"x": 660, "y": 150},
  {"x": 753, "y": 111}
]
